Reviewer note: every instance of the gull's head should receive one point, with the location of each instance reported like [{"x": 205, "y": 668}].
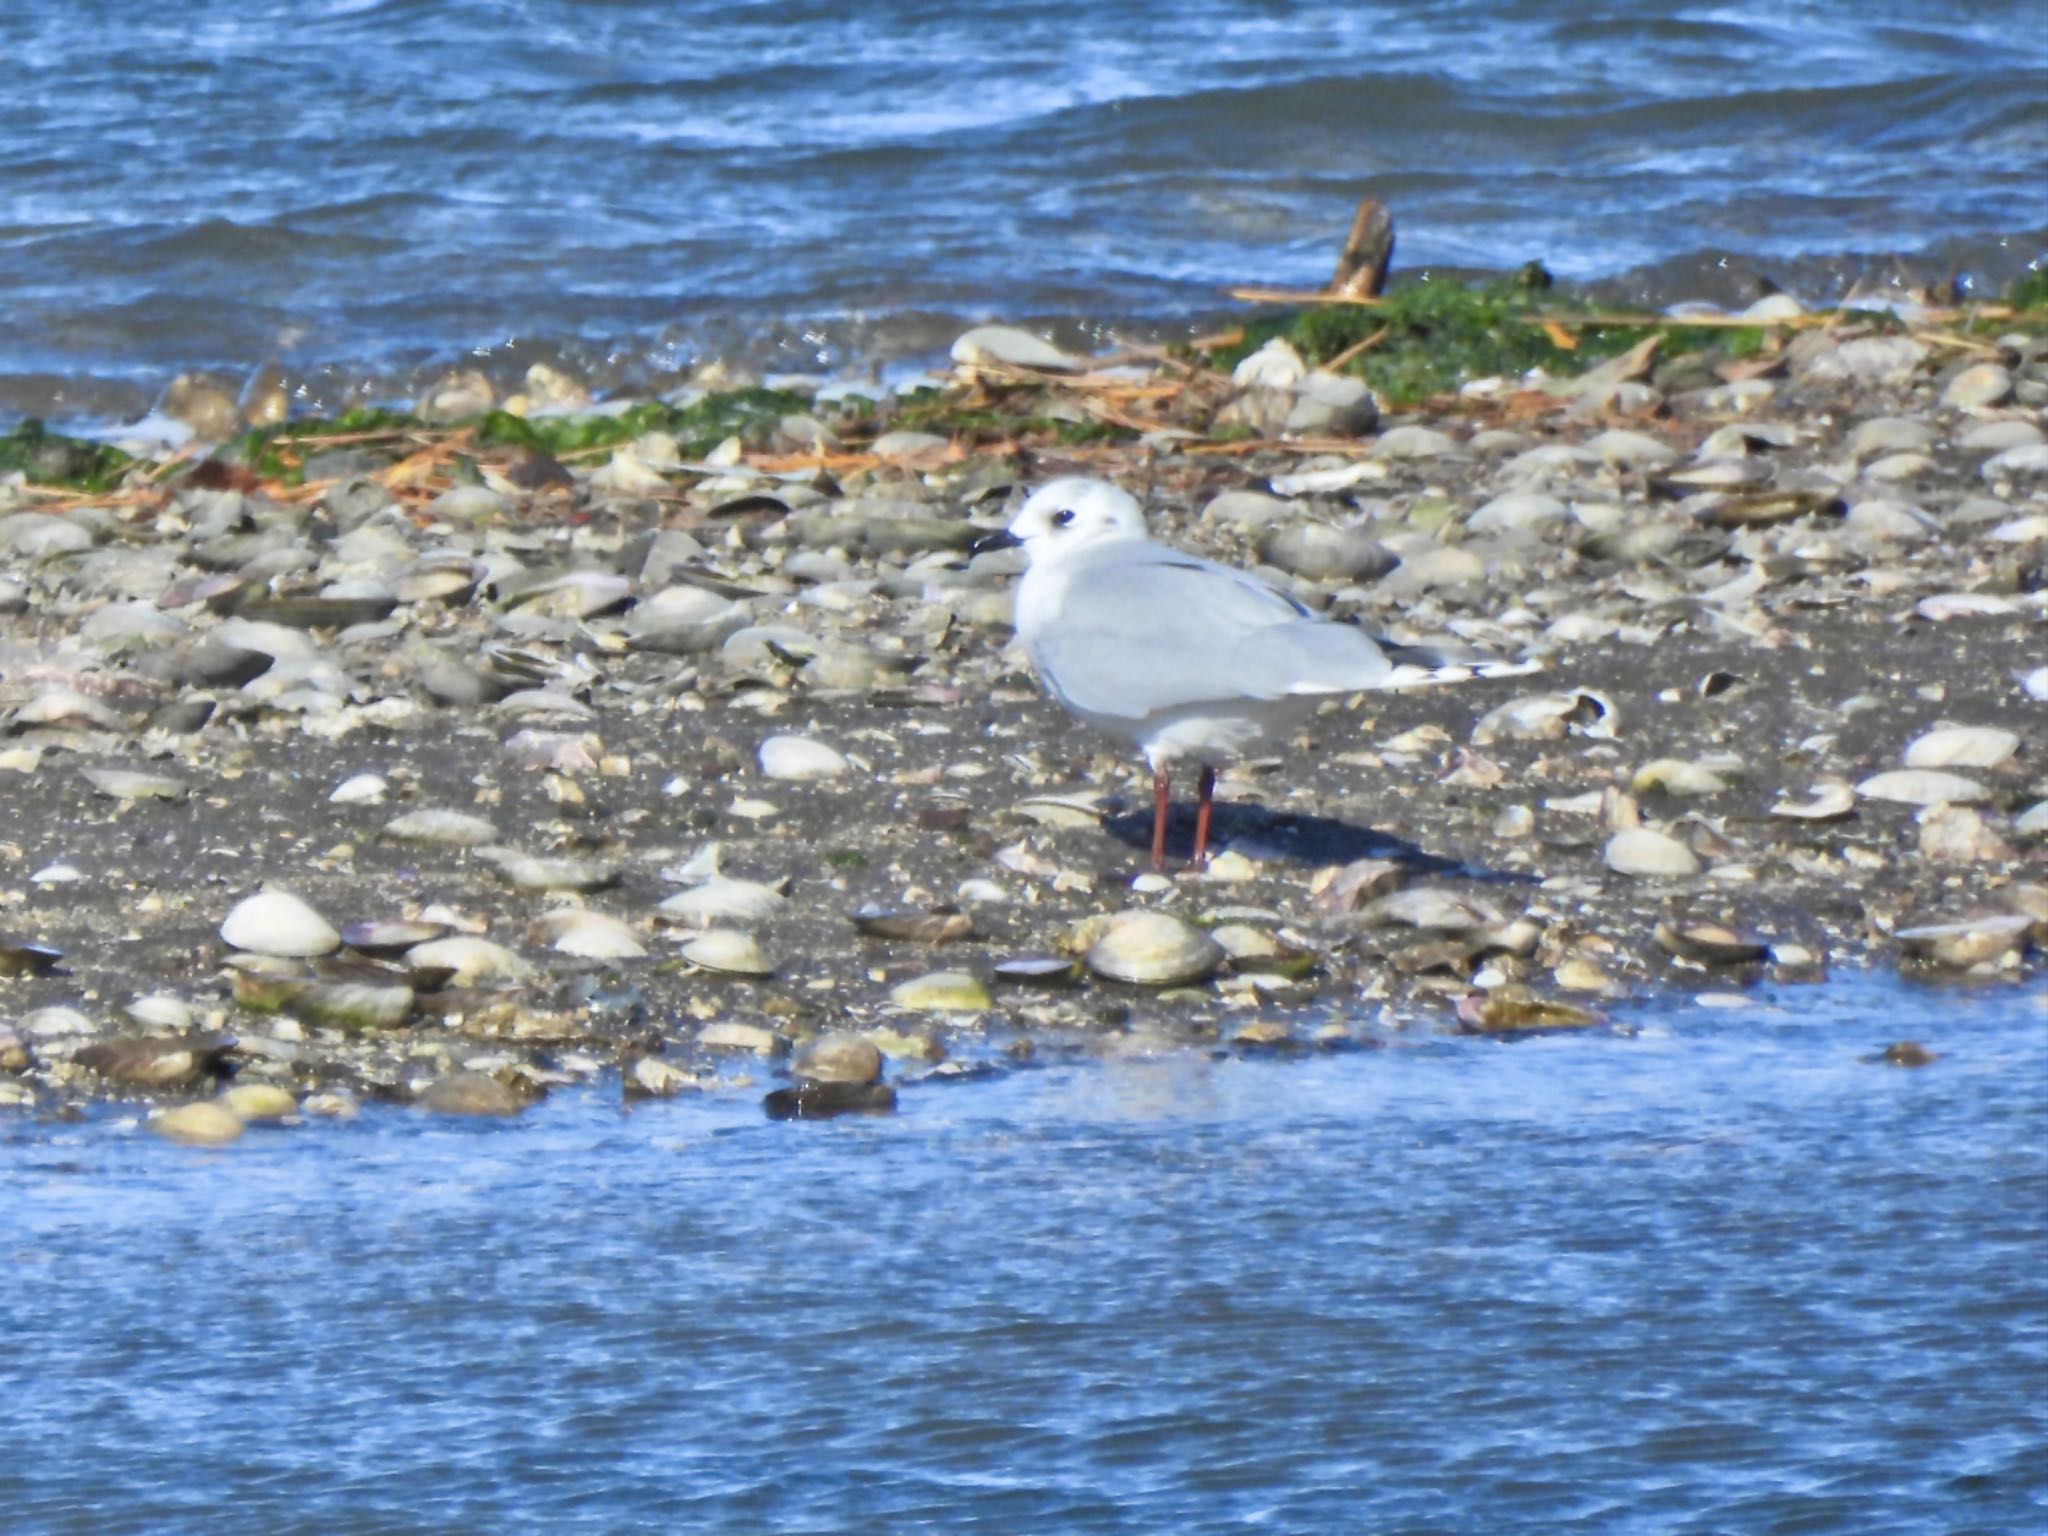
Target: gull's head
[{"x": 1072, "y": 514}]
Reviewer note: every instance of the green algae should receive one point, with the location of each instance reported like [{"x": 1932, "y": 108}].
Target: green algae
[
  {"x": 1430, "y": 337},
  {"x": 43, "y": 457}
]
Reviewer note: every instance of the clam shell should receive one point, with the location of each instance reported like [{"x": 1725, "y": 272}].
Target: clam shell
[
  {"x": 942, "y": 992},
  {"x": 1922, "y": 786},
  {"x": 531, "y": 872},
  {"x": 1038, "y": 971},
  {"x": 391, "y": 936},
  {"x": 727, "y": 951},
  {"x": 1711, "y": 943},
  {"x": 275, "y": 922},
  {"x": 469, "y": 960},
  {"x": 1153, "y": 949},
  {"x": 730, "y": 1035},
  {"x": 447, "y": 829},
  {"x": 1971, "y": 941},
  {"x": 800, "y": 758},
  {"x": 1675, "y": 776},
  {"x": 722, "y": 900},
  {"x": 588, "y": 935},
  {"x": 913, "y": 927},
  {"x": 1827, "y": 803},
  {"x": 1962, "y": 746},
  {"x": 1649, "y": 854},
  {"x": 1547, "y": 717},
  {"x": 1515, "y": 1011},
  {"x": 130, "y": 784}
]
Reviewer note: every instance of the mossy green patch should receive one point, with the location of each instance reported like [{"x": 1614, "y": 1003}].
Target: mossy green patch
[
  {"x": 1439, "y": 335},
  {"x": 44, "y": 457},
  {"x": 700, "y": 426},
  {"x": 277, "y": 452},
  {"x": 2030, "y": 292}
]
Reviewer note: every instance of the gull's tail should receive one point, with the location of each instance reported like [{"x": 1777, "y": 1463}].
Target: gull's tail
[{"x": 1429, "y": 666}]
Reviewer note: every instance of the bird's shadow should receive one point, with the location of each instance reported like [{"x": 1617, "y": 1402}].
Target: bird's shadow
[{"x": 1262, "y": 833}]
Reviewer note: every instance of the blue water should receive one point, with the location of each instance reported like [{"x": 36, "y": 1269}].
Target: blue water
[
  {"x": 1718, "y": 1276},
  {"x": 364, "y": 190}
]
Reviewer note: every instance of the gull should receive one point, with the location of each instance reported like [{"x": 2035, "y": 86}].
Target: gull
[{"x": 1182, "y": 657}]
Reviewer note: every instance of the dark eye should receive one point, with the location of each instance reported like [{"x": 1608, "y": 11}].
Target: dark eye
[{"x": 1063, "y": 518}]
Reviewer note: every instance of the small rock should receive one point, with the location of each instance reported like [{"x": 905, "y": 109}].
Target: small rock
[
  {"x": 259, "y": 1101},
  {"x": 1413, "y": 442},
  {"x": 839, "y": 1057},
  {"x": 1978, "y": 387},
  {"x": 1318, "y": 552},
  {"x": 825, "y": 1101},
  {"x": 470, "y": 1093},
  {"x": 198, "y": 1125}
]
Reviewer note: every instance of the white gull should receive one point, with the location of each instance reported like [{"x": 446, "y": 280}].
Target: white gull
[{"x": 1187, "y": 659}]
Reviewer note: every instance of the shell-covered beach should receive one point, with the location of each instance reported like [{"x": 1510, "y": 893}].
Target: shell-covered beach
[{"x": 464, "y": 755}]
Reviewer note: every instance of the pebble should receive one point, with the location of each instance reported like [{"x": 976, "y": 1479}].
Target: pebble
[
  {"x": 1978, "y": 387},
  {"x": 1318, "y": 552},
  {"x": 839, "y": 1057},
  {"x": 198, "y": 1125},
  {"x": 259, "y": 1101},
  {"x": 470, "y": 1093}
]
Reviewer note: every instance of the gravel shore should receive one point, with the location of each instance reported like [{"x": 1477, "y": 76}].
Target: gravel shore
[{"x": 716, "y": 767}]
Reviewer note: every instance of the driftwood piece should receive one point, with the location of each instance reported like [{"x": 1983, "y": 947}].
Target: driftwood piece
[{"x": 1362, "y": 266}]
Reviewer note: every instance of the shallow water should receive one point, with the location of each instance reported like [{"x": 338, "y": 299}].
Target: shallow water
[
  {"x": 364, "y": 188},
  {"x": 1719, "y": 1276}
]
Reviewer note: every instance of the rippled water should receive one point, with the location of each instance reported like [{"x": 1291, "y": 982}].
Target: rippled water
[
  {"x": 362, "y": 188},
  {"x": 1720, "y": 1277}
]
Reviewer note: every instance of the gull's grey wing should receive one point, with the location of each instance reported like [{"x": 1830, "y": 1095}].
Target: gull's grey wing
[{"x": 1156, "y": 630}]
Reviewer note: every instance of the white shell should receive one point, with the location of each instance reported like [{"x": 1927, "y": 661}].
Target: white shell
[
  {"x": 1828, "y": 801},
  {"x": 360, "y": 789},
  {"x": 450, "y": 829},
  {"x": 1647, "y": 853},
  {"x": 801, "y": 758},
  {"x": 1153, "y": 949},
  {"x": 729, "y": 951},
  {"x": 723, "y": 900},
  {"x": 588, "y": 935},
  {"x": 472, "y": 959},
  {"x": 1921, "y": 786},
  {"x": 275, "y": 922},
  {"x": 1962, "y": 746}
]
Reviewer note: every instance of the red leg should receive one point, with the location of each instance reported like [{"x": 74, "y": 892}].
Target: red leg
[
  {"x": 1201, "y": 859},
  {"x": 1162, "y": 792}
]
